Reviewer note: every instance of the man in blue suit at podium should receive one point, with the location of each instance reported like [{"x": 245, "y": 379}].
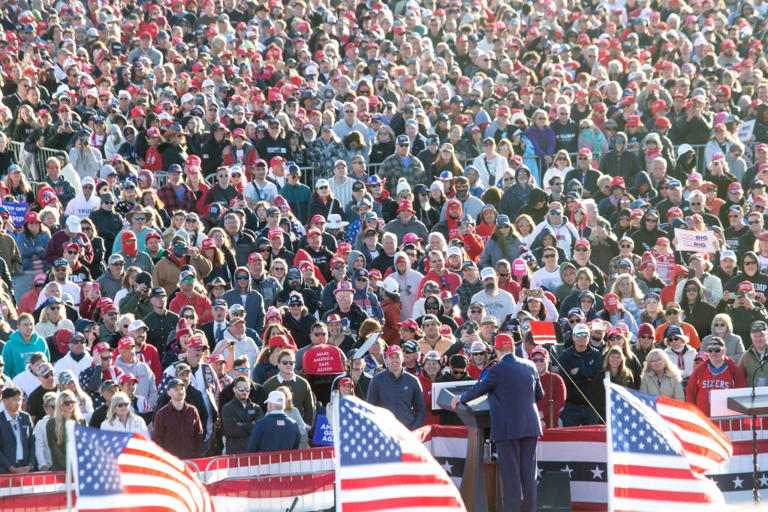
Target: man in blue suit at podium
[{"x": 513, "y": 388}]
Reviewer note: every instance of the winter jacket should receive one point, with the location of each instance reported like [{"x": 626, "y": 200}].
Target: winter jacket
[
  {"x": 749, "y": 362},
  {"x": 31, "y": 249},
  {"x": 494, "y": 251},
  {"x": 254, "y": 305},
  {"x": 667, "y": 386},
  {"x": 166, "y": 273}
]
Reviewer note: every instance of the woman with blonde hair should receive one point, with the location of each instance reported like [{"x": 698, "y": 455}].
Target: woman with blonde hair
[
  {"x": 279, "y": 269},
  {"x": 660, "y": 377},
  {"x": 121, "y": 418},
  {"x": 629, "y": 294},
  {"x": 55, "y": 430},
  {"x": 66, "y": 380},
  {"x": 294, "y": 413},
  {"x": 722, "y": 326},
  {"x": 52, "y": 318}
]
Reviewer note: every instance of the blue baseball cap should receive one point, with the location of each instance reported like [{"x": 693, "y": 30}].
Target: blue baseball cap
[{"x": 673, "y": 330}]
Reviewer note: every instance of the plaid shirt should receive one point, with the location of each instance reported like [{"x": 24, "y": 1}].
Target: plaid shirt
[{"x": 171, "y": 199}]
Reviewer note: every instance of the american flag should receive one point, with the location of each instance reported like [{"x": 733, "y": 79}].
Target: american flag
[
  {"x": 116, "y": 471},
  {"x": 658, "y": 450},
  {"x": 380, "y": 465}
]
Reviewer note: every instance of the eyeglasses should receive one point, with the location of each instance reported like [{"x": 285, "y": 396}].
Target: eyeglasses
[
  {"x": 122, "y": 404},
  {"x": 581, "y": 249},
  {"x": 320, "y": 333},
  {"x": 73, "y": 252},
  {"x": 69, "y": 402},
  {"x": 583, "y": 158},
  {"x": 556, "y": 212},
  {"x": 646, "y": 336},
  {"x": 242, "y": 390},
  {"x": 548, "y": 256},
  {"x": 288, "y": 363},
  {"x": 581, "y": 335},
  {"x": 242, "y": 369},
  {"x": 538, "y": 359},
  {"x": 138, "y": 217},
  {"x": 753, "y": 222},
  {"x": 241, "y": 277},
  {"x": 188, "y": 317},
  {"x": 458, "y": 373},
  {"x": 714, "y": 350},
  {"x": 574, "y": 320}
]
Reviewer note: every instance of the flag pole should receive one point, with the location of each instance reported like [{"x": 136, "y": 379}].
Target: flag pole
[
  {"x": 608, "y": 440},
  {"x": 71, "y": 458},
  {"x": 335, "y": 427}
]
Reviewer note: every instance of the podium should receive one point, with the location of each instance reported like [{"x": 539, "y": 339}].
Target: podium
[
  {"x": 751, "y": 405},
  {"x": 476, "y": 416}
]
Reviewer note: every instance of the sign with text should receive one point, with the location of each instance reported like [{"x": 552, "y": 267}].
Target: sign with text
[
  {"x": 323, "y": 432},
  {"x": 695, "y": 241},
  {"x": 17, "y": 211},
  {"x": 746, "y": 130}
]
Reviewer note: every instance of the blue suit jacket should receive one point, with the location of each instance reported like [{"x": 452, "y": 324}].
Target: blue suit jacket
[
  {"x": 274, "y": 432},
  {"x": 8, "y": 442},
  {"x": 513, "y": 388}
]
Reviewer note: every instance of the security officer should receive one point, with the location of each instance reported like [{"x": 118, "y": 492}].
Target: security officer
[
  {"x": 512, "y": 384},
  {"x": 275, "y": 431}
]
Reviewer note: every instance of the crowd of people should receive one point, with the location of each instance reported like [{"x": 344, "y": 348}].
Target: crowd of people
[{"x": 258, "y": 205}]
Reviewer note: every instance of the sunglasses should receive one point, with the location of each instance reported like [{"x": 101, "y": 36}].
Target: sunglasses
[
  {"x": 122, "y": 404},
  {"x": 674, "y": 338},
  {"x": 646, "y": 337},
  {"x": 241, "y": 370},
  {"x": 538, "y": 359},
  {"x": 242, "y": 390},
  {"x": 548, "y": 256},
  {"x": 458, "y": 373},
  {"x": 715, "y": 350},
  {"x": 69, "y": 402},
  {"x": 288, "y": 363}
]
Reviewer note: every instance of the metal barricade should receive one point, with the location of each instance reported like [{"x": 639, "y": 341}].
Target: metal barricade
[
  {"x": 288, "y": 464},
  {"x": 32, "y": 483},
  {"x": 33, "y": 164}
]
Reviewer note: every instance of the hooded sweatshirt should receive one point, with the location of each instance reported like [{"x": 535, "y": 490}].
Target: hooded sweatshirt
[
  {"x": 409, "y": 285},
  {"x": 448, "y": 226},
  {"x": 80, "y": 206},
  {"x": 16, "y": 352}
]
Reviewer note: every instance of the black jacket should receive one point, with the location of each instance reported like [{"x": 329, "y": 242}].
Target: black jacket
[{"x": 237, "y": 421}]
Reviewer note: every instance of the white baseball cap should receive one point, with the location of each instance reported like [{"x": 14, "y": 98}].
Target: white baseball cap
[
  {"x": 487, "y": 272},
  {"x": 276, "y": 398},
  {"x": 389, "y": 285}
]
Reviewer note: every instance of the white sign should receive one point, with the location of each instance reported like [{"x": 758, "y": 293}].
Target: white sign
[
  {"x": 695, "y": 241},
  {"x": 718, "y": 400},
  {"x": 745, "y": 131}
]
